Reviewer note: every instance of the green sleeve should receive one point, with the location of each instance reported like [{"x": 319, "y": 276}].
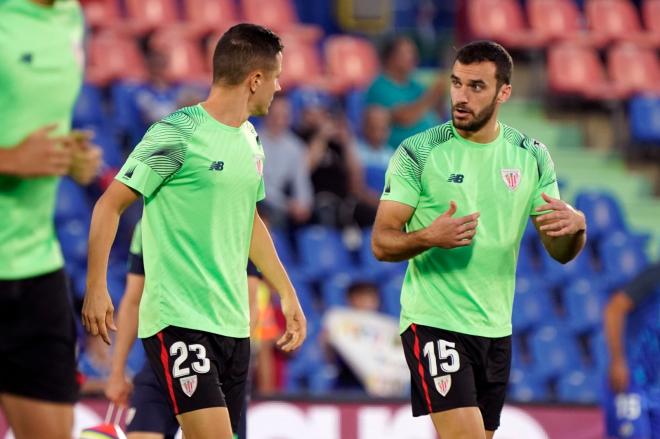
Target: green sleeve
[
  {"x": 261, "y": 192},
  {"x": 136, "y": 240},
  {"x": 156, "y": 158},
  {"x": 547, "y": 177},
  {"x": 403, "y": 177}
]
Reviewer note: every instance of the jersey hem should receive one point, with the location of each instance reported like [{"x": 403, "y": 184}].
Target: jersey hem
[
  {"x": 480, "y": 331},
  {"x": 21, "y": 275},
  {"x": 234, "y": 332}
]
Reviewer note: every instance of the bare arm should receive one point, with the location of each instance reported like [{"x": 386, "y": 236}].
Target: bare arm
[
  {"x": 118, "y": 388},
  {"x": 389, "y": 242},
  {"x": 264, "y": 256},
  {"x": 614, "y": 321},
  {"x": 97, "y": 307},
  {"x": 409, "y": 114},
  {"x": 37, "y": 155},
  {"x": 563, "y": 231}
]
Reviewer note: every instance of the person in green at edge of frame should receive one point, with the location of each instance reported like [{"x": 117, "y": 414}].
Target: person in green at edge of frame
[
  {"x": 200, "y": 171},
  {"x": 41, "y": 70},
  {"x": 456, "y": 201}
]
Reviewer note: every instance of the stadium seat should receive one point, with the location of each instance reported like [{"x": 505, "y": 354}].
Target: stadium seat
[
  {"x": 185, "y": 61},
  {"x": 635, "y": 68},
  {"x": 525, "y": 386},
  {"x": 603, "y": 212},
  {"x": 355, "y": 103},
  {"x": 283, "y": 247},
  {"x": 576, "y": 70},
  {"x": 112, "y": 57},
  {"x": 560, "y": 20},
  {"x": 302, "y": 66},
  {"x": 144, "y": 16},
  {"x": 391, "y": 295},
  {"x": 281, "y": 16},
  {"x": 527, "y": 264},
  {"x": 645, "y": 119},
  {"x": 579, "y": 387},
  {"x": 351, "y": 62},
  {"x": 373, "y": 269},
  {"x": 102, "y": 14},
  {"x": 322, "y": 252},
  {"x": 651, "y": 16},
  {"x": 502, "y": 21},
  {"x": 554, "y": 352},
  {"x": 622, "y": 257},
  {"x": 532, "y": 304},
  {"x": 308, "y": 371},
  {"x": 334, "y": 289},
  {"x": 557, "y": 274},
  {"x": 583, "y": 301},
  {"x": 89, "y": 107},
  {"x": 598, "y": 353},
  {"x": 210, "y": 16},
  {"x": 72, "y": 202},
  {"x": 617, "y": 20},
  {"x": 125, "y": 115}
]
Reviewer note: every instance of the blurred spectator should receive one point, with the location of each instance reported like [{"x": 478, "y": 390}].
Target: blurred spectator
[
  {"x": 411, "y": 106},
  {"x": 289, "y": 187},
  {"x": 632, "y": 331},
  {"x": 374, "y": 151},
  {"x": 334, "y": 166},
  {"x": 425, "y": 33},
  {"x": 159, "y": 96}
]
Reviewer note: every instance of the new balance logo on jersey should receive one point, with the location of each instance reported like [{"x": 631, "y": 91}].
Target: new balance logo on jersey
[
  {"x": 217, "y": 166},
  {"x": 129, "y": 172},
  {"x": 455, "y": 178},
  {"x": 26, "y": 58}
]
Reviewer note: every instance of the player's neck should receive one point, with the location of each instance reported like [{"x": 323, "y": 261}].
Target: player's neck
[
  {"x": 228, "y": 106},
  {"x": 486, "y": 134},
  {"x": 44, "y": 2}
]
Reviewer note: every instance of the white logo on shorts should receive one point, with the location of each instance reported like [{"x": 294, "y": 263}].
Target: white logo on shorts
[
  {"x": 443, "y": 384},
  {"x": 130, "y": 414},
  {"x": 189, "y": 384}
]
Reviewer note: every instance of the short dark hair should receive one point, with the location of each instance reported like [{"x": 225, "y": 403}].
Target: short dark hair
[
  {"x": 243, "y": 49},
  {"x": 482, "y": 51},
  {"x": 391, "y": 46}
]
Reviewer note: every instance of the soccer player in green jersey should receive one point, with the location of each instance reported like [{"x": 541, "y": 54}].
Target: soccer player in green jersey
[
  {"x": 200, "y": 172},
  {"x": 456, "y": 201},
  {"x": 41, "y": 69}
]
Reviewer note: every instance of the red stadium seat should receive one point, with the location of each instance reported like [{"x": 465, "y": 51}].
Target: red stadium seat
[
  {"x": 281, "y": 17},
  {"x": 302, "y": 66},
  {"x": 560, "y": 20},
  {"x": 651, "y": 15},
  {"x": 145, "y": 16},
  {"x": 502, "y": 21},
  {"x": 617, "y": 20},
  {"x": 102, "y": 14},
  {"x": 210, "y": 16},
  {"x": 575, "y": 69},
  {"x": 634, "y": 68},
  {"x": 351, "y": 62},
  {"x": 112, "y": 57},
  {"x": 185, "y": 61}
]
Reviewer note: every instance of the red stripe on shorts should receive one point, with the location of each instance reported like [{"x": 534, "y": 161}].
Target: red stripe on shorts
[
  {"x": 420, "y": 368},
  {"x": 164, "y": 359}
]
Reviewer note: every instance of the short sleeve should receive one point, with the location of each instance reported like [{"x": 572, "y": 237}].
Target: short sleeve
[
  {"x": 403, "y": 177},
  {"x": 545, "y": 167},
  {"x": 156, "y": 158},
  {"x": 261, "y": 192}
]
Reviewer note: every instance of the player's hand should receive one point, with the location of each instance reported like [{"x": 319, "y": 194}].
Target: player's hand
[
  {"x": 449, "y": 232},
  {"x": 619, "y": 375},
  {"x": 564, "y": 220},
  {"x": 86, "y": 158},
  {"x": 296, "y": 324},
  {"x": 97, "y": 314},
  {"x": 118, "y": 389},
  {"x": 40, "y": 155}
]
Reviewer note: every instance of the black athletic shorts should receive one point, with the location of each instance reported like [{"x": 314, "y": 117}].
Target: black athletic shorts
[
  {"x": 38, "y": 339},
  {"x": 149, "y": 410},
  {"x": 200, "y": 370},
  {"x": 450, "y": 370}
]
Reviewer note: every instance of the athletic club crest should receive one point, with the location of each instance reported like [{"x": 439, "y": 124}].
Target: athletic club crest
[
  {"x": 443, "y": 384},
  {"x": 189, "y": 384},
  {"x": 259, "y": 163},
  {"x": 511, "y": 178}
]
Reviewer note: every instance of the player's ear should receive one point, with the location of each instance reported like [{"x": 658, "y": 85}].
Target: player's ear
[
  {"x": 504, "y": 93},
  {"x": 255, "y": 80}
]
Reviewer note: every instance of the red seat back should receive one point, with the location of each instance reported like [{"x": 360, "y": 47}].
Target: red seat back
[
  {"x": 554, "y": 18},
  {"x": 633, "y": 67},
  {"x": 274, "y": 14},
  {"x": 574, "y": 68},
  {"x": 492, "y": 18},
  {"x": 152, "y": 13},
  {"x": 651, "y": 15},
  {"x": 211, "y": 14},
  {"x": 352, "y": 61},
  {"x": 112, "y": 57},
  {"x": 614, "y": 18}
]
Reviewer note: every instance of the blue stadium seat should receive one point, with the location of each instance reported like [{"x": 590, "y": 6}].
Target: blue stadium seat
[
  {"x": 88, "y": 110},
  {"x": 126, "y": 117},
  {"x": 334, "y": 289},
  {"x": 526, "y": 386},
  {"x": 375, "y": 178},
  {"x": 622, "y": 256},
  {"x": 603, "y": 212},
  {"x": 308, "y": 370},
  {"x": 557, "y": 274},
  {"x": 554, "y": 352},
  {"x": 306, "y": 299},
  {"x": 390, "y": 295},
  {"x": 112, "y": 154},
  {"x": 579, "y": 386},
  {"x": 372, "y": 268},
  {"x": 355, "y": 103},
  {"x": 598, "y": 353},
  {"x": 645, "y": 119},
  {"x": 583, "y": 300},
  {"x": 527, "y": 263},
  {"x": 284, "y": 249},
  {"x": 532, "y": 304},
  {"x": 72, "y": 202},
  {"x": 322, "y": 252}
]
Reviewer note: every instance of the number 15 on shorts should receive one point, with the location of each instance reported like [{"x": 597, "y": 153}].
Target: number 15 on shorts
[{"x": 448, "y": 360}]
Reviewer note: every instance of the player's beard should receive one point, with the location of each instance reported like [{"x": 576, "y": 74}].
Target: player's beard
[{"x": 478, "y": 120}]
